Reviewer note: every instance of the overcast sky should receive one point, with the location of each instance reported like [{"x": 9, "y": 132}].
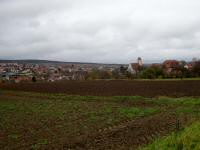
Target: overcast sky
[{"x": 107, "y": 31}]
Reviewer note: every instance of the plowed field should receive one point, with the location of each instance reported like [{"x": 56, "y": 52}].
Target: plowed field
[
  {"x": 114, "y": 88},
  {"x": 30, "y": 120}
]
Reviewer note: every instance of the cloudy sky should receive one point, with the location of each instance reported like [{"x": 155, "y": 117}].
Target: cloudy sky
[{"x": 108, "y": 31}]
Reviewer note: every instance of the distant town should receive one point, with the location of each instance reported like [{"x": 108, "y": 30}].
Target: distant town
[{"x": 49, "y": 71}]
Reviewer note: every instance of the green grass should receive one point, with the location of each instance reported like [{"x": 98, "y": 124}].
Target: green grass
[
  {"x": 183, "y": 101},
  {"x": 194, "y": 111},
  {"x": 39, "y": 145},
  {"x": 125, "y": 98},
  {"x": 138, "y": 112},
  {"x": 188, "y": 139}
]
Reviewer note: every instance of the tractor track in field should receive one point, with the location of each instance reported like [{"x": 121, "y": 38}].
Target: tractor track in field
[{"x": 129, "y": 135}]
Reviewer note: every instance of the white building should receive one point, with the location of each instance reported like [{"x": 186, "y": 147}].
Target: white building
[{"x": 134, "y": 68}]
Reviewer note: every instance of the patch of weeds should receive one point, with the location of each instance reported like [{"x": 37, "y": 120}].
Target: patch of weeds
[
  {"x": 191, "y": 101},
  {"x": 188, "y": 110},
  {"x": 108, "y": 110},
  {"x": 8, "y": 107},
  {"x": 41, "y": 143},
  {"x": 38, "y": 107},
  {"x": 130, "y": 98},
  {"x": 60, "y": 114},
  {"x": 150, "y": 111},
  {"x": 187, "y": 139},
  {"x": 162, "y": 101},
  {"x": 130, "y": 112},
  {"x": 137, "y": 112},
  {"x": 184, "y": 101},
  {"x": 14, "y": 136},
  {"x": 83, "y": 98},
  {"x": 93, "y": 116},
  {"x": 110, "y": 121}
]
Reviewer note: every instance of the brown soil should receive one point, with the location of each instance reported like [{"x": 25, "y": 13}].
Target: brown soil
[
  {"x": 110, "y": 88},
  {"x": 130, "y": 135}
]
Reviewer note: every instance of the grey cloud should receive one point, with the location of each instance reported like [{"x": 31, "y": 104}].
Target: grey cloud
[{"x": 111, "y": 31}]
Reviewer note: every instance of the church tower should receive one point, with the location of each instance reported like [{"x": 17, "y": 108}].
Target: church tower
[{"x": 139, "y": 61}]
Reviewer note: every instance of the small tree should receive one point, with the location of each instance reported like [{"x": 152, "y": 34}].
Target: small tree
[
  {"x": 151, "y": 73},
  {"x": 105, "y": 74},
  {"x": 115, "y": 74},
  {"x": 196, "y": 69},
  {"x": 34, "y": 79},
  {"x": 122, "y": 69},
  {"x": 93, "y": 75}
]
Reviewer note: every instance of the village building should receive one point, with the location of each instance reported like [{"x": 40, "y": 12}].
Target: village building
[
  {"x": 170, "y": 67},
  {"x": 134, "y": 68},
  {"x": 189, "y": 66},
  {"x": 171, "y": 63}
]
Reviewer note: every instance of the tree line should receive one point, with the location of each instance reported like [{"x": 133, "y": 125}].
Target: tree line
[{"x": 148, "y": 72}]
